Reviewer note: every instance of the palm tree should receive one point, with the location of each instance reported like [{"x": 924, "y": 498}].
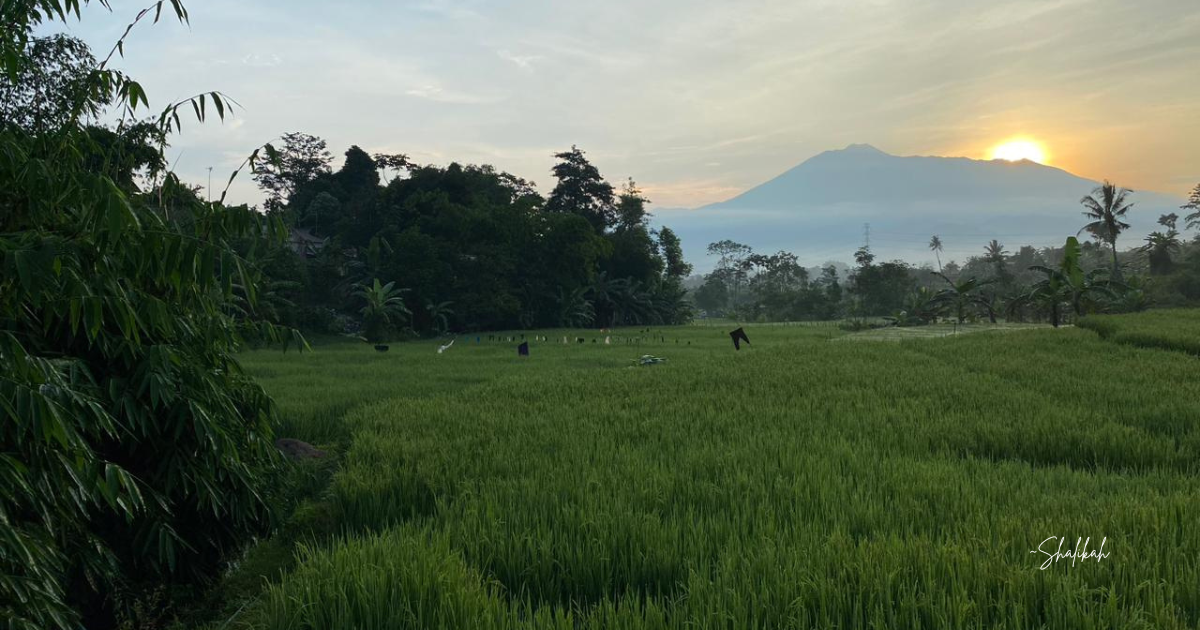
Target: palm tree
[
  {"x": 633, "y": 304},
  {"x": 439, "y": 314},
  {"x": 1106, "y": 207},
  {"x": 606, "y": 293},
  {"x": 671, "y": 303},
  {"x": 384, "y": 308},
  {"x": 1158, "y": 249},
  {"x": 961, "y": 296},
  {"x": 935, "y": 245},
  {"x": 574, "y": 309},
  {"x": 994, "y": 252}
]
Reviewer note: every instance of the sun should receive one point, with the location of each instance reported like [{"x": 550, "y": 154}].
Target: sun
[{"x": 1019, "y": 149}]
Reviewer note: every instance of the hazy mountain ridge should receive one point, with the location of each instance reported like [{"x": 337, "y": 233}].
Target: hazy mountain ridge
[{"x": 817, "y": 209}]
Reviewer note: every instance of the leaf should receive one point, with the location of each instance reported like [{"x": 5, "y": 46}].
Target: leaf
[
  {"x": 1070, "y": 263},
  {"x": 216, "y": 98},
  {"x": 247, "y": 283},
  {"x": 136, "y": 94}
]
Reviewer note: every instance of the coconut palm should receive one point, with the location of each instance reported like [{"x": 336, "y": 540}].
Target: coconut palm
[
  {"x": 960, "y": 297},
  {"x": 1107, "y": 206},
  {"x": 384, "y": 309},
  {"x": 1159, "y": 248},
  {"x": 935, "y": 245},
  {"x": 994, "y": 252}
]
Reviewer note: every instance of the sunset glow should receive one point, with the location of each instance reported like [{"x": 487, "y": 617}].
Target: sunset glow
[{"x": 1019, "y": 149}]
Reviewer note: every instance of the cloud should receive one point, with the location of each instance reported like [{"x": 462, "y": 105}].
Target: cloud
[
  {"x": 449, "y": 9},
  {"x": 525, "y": 62},
  {"x": 256, "y": 60},
  {"x": 437, "y": 94},
  {"x": 704, "y": 98}
]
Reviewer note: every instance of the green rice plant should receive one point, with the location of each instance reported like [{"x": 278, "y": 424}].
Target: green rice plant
[
  {"x": 797, "y": 483},
  {"x": 1169, "y": 329}
]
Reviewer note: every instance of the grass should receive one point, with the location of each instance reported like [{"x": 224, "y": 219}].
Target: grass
[
  {"x": 897, "y": 333},
  {"x": 794, "y": 484},
  {"x": 1169, "y": 329}
]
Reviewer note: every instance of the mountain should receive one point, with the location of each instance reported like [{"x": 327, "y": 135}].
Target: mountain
[{"x": 818, "y": 209}]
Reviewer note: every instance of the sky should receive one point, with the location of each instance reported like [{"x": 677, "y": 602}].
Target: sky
[{"x": 697, "y": 100}]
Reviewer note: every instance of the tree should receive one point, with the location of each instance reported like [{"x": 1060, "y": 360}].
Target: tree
[
  {"x": 880, "y": 288},
  {"x": 608, "y": 295},
  {"x": 1106, "y": 207},
  {"x": 301, "y": 159},
  {"x": 133, "y": 445},
  {"x": 671, "y": 304},
  {"x": 863, "y": 257},
  {"x": 672, "y": 253},
  {"x": 128, "y": 151},
  {"x": 391, "y": 161},
  {"x": 1193, "y": 204},
  {"x": 960, "y": 297},
  {"x": 631, "y": 208},
  {"x": 733, "y": 266},
  {"x": 1159, "y": 249},
  {"x": 1066, "y": 284},
  {"x": 439, "y": 313},
  {"x": 383, "y": 309},
  {"x": 581, "y": 190},
  {"x": 574, "y": 309},
  {"x": 359, "y": 174},
  {"x": 832, "y": 287},
  {"x": 995, "y": 254},
  {"x": 713, "y": 295},
  {"x": 935, "y": 245},
  {"x": 634, "y": 254},
  {"x": 51, "y": 86}
]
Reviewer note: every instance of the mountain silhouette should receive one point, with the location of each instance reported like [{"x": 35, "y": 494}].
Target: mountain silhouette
[{"x": 818, "y": 209}]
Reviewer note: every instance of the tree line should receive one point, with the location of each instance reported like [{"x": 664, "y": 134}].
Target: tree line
[
  {"x": 1049, "y": 284},
  {"x": 388, "y": 247}
]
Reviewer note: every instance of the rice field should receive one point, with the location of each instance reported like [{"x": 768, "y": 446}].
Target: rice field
[
  {"x": 797, "y": 483},
  {"x": 1169, "y": 329}
]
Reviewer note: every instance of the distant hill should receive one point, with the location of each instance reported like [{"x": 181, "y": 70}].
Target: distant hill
[{"x": 818, "y": 208}]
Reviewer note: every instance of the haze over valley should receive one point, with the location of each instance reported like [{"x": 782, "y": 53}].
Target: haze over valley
[{"x": 818, "y": 209}]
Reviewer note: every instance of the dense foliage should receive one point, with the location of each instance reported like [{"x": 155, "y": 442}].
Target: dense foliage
[
  {"x": 471, "y": 248},
  {"x": 133, "y": 449}
]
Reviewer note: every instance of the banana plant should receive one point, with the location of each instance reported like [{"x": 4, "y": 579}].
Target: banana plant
[
  {"x": 961, "y": 297},
  {"x": 439, "y": 314},
  {"x": 1068, "y": 284},
  {"x": 384, "y": 309}
]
